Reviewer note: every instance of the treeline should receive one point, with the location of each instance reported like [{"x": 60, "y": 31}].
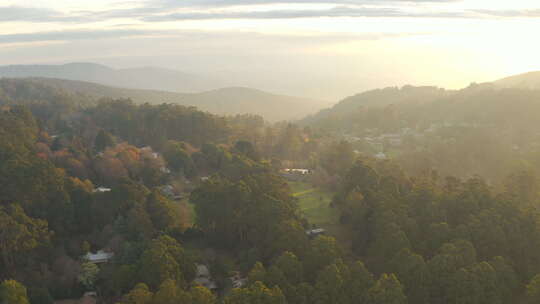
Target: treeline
[
  {"x": 418, "y": 107},
  {"x": 479, "y": 130},
  {"x": 414, "y": 240},
  {"x": 447, "y": 240},
  {"x": 49, "y": 219},
  {"x": 52, "y": 211},
  {"x": 47, "y": 216},
  {"x": 422, "y": 238},
  {"x": 73, "y": 117}
]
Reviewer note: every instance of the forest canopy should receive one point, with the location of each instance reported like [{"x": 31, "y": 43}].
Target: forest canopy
[{"x": 140, "y": 203}]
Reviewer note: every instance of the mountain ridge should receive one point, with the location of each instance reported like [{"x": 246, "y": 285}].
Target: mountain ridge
[
  {"x": 150, "y": 78},
  {"x": 222, "y": 101},
  {"x": 528, "y": 80}
]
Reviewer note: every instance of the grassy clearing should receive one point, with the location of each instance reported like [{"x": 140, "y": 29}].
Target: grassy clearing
[
  {"x": 315, "y": 204},
  {"x": 187, "y": 211}
]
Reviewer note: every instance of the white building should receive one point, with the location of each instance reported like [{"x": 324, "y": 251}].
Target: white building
[
  {"x": 98, "y": 257},
  {"x": 204, "y": 278},
  {"x": 380, "y": 155},
  {"x": 315, "y": 232},
  {"x": 298, "y": 171},
  {"x": 102, "y": 189},
  {"x": 238, "y": 281}
]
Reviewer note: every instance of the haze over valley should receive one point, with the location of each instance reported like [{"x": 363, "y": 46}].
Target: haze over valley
[
  {"x": 154, "y": 85},
  {"x": 269, "y": 152}
]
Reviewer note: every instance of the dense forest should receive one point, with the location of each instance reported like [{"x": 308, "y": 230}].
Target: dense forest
[
  {"x": 154, "y": 204},
  {"x": 480, "y": 130}
]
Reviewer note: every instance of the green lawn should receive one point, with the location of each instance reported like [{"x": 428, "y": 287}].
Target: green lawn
[
  {"x": 187, "y": 211},
  {"x": 315, "y": 204}
]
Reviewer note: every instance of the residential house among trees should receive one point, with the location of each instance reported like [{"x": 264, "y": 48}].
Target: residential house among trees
[{"x": 99, "y": 257}]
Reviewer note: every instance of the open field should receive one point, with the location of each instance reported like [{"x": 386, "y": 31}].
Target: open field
[
  {"x": 187, "y": 211},
  {"x": 315, "y": 204}
]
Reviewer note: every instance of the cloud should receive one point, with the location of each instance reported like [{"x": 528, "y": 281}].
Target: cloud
[
  {"x": 340, "y": 11},
  {"x": 190, "y": 35},
  {"x": 70, "y": 35},
  {"x": 221, "y": 3},
  {"x": 154, "y": 8},
  {"x": 174, "y": 10},
  {"x": 533, "y": 13},
  {"x": 32, "y": 14}
]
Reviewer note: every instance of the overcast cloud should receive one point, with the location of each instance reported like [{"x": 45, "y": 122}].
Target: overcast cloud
[
  {"x": 32, "y": 14},
  {"x": 167, "y": 10},
  {"x": 336, "y": 12},
  {"x": 325, "y": 49},
  {"x": 192, "y": 35}
]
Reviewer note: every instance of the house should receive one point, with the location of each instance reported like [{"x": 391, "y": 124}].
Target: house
[
  {"x": 315, "y": 232},
  {"x": 204, "y": 278},
  {"x": 298, "y": 171},
  {"x": 238, "y": 281},
  {"x": 99, "y": 257},
  {"x": 380, "y": 155},
  {"x": 179, "y": 197},
  {"x": 102, "y": 189},
  {"x": 170, "y": 192},
  {"x": 295, "y": 174},
  {"x": 167, "y": 190},
  {"x": 90, "y": 294},
  {"x": 205, "y": 178}
]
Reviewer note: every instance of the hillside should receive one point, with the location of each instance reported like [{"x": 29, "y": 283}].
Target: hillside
[
  {"x": 348, "y": 112},
  {"x": 417, "y": 96},
  {"x": 99, "y": 91},
  {"x": 226, "y": 101},
  {"x": 140, "y": 78},
  {"x": 239, "y": 100},
  {"x": 121, "y": 185},
  {"x": 529, "y": 80}
]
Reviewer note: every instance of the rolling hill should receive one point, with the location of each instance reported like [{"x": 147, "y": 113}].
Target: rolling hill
[
  {"x": 240, "y": 100},
  {"x": 512, "y": 99},
  {"x": 352, "y": 108},
  {"x": 150, "y": 78},
  {"x": 529, "y": 80},
  {"x": 225, "y": 101}
]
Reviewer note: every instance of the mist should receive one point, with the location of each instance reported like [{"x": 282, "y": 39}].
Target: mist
[{"x": 281, "y": 151}]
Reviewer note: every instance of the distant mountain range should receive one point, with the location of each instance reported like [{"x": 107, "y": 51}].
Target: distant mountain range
[
  {"x": 157, "y": 85},
  {"x": 225, "y": 101},
  {"x": 135, "y": 78}
]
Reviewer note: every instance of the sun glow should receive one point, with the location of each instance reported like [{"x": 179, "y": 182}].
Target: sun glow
[{"x": 391, "y": 41}]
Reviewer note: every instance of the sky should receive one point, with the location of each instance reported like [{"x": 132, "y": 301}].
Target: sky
[{"x": 315, "y": 48}]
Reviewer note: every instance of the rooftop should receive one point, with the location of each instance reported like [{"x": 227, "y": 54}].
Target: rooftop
[
  {"x": 315, "y": 231},
  {"x": 99, "y": 257}
]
